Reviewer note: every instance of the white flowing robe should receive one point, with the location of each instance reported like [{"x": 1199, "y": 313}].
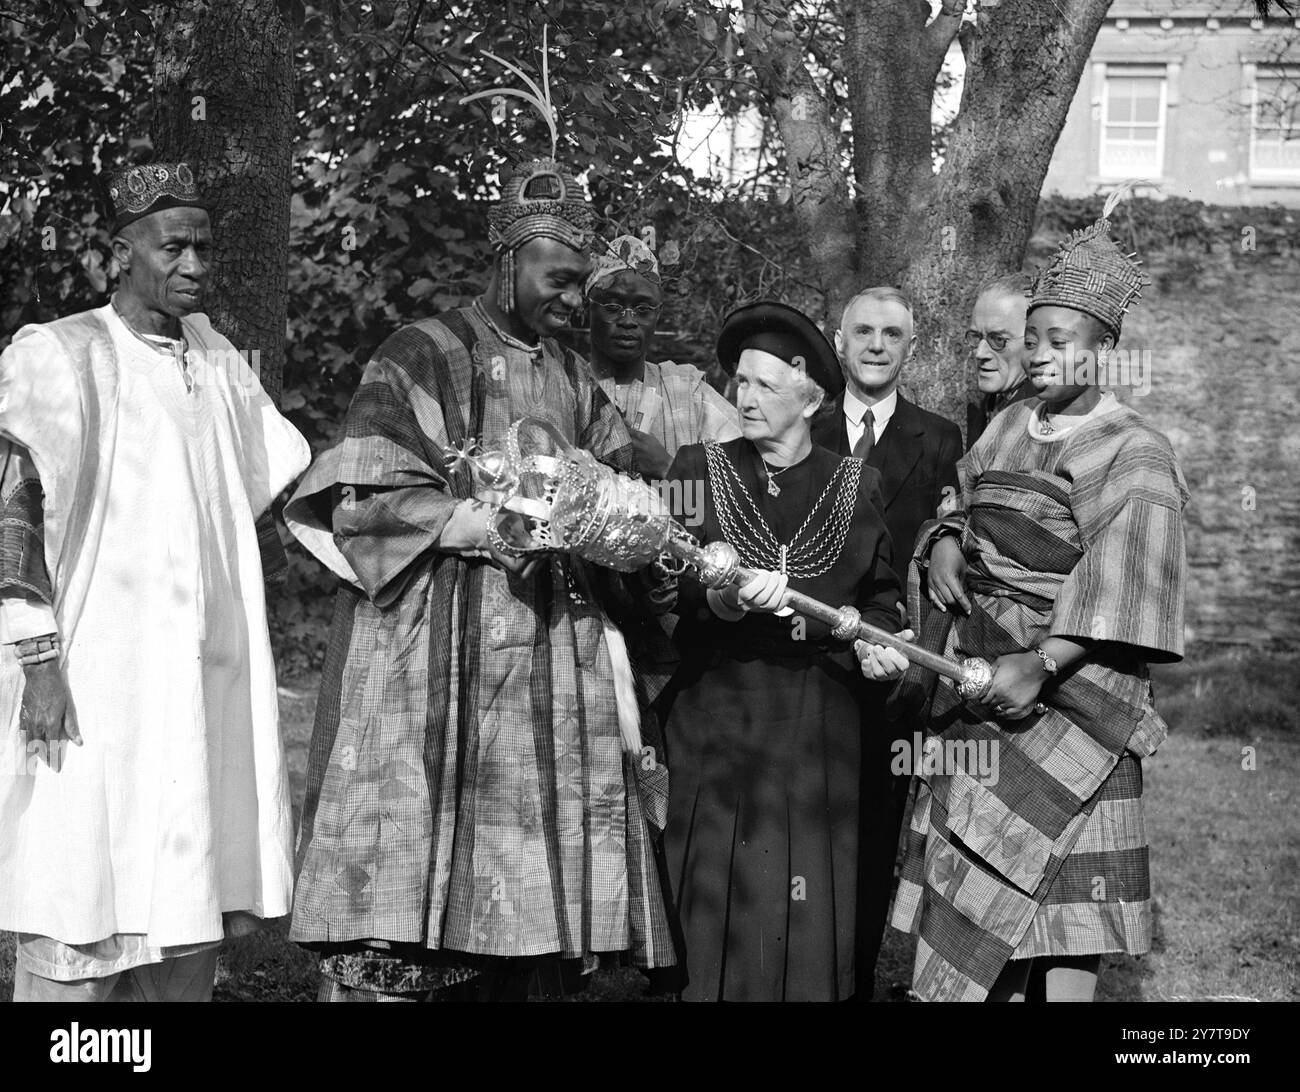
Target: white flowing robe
[{"x": 176, "y": 809}]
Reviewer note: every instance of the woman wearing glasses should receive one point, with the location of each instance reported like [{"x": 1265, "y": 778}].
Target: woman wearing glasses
[
  {"x": 996, "y": 339},
  {"x": 665, "y": 405}
]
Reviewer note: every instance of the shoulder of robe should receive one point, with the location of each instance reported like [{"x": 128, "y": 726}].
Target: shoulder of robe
[
  {"x": 73, "y": 328},
  {"x": 1143, "y": 450},
  {"x": 51, "y": 347},
  {"x": 447, "y": 333},
  {"x": 684, "y": 372}
]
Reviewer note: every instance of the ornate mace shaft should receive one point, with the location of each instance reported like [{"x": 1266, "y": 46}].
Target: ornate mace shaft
[
  {"x": 719, "y": 566},
  {"x": 568, "y": 501}
]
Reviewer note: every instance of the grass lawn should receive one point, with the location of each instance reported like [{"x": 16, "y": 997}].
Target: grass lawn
[{"x": 1223, "y": 814}]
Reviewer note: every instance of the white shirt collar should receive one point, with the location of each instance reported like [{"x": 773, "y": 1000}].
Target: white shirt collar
[{"x": 881, "y": 412}]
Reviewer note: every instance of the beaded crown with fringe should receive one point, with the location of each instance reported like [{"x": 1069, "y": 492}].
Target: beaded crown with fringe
[
  {"x": 1091, "y": 274},
  {"x": 539, "y": 198}
]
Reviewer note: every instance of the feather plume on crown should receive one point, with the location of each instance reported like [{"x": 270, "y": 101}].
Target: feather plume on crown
[{"x": 539, "y": 198}]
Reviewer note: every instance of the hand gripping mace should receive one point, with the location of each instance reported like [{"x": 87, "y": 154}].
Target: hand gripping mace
[
  {"x": 549, "y": 496},
  {"x": 718, "y": 566}
]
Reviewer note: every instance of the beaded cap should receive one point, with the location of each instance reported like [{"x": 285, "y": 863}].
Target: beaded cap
[
  {"x": 135, "y": 192},
  {"x": 1091, "y": 274}
]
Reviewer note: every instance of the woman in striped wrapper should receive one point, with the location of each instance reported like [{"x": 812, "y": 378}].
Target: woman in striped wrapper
[{"x": 1066, "y": 567}]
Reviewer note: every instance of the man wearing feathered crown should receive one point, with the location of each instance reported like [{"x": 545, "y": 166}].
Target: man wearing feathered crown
[
  {"x": 471, "y": 810},
  {"x": 1066, "y": 567},
  {"x": 141, "y": 456},
  {"x": 665, "y": 405}
]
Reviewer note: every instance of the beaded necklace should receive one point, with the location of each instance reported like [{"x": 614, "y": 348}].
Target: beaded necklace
[
  {"x": 813, "y": 548},
  {"x": 509, "y": 339}
]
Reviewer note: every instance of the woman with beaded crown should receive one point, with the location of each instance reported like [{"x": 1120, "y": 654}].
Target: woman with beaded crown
[
  {"x": 765, "y": 711},
  {"x": 1065, "y": 565}
]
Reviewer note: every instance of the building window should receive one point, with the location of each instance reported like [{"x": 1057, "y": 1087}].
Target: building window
[
  {"x": 1133, "y": 122},
  {"x": 1275, "y": 124}
]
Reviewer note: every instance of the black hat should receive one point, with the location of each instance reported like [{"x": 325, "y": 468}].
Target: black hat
[{"x": 779, "y": 329}]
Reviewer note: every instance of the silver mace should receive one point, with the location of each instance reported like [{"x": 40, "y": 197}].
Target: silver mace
[{"x": 719, "y": 566}]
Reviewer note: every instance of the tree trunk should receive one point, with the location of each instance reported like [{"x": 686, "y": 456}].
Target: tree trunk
[
  {"x": 1023, "y": 67},
  {"x": 223, "y": 96},
  {"x": 819, "y": 186},
  {"x": 940, "y": 236},
  {"x": 891, "y": 63}
]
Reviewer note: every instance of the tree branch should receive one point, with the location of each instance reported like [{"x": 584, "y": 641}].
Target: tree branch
[
  {"x": 411, "y": 24},
  {"x": 767, "y": 261},
  {"x": 966, "y": 39},
  {"x": 938, "y": 36}
]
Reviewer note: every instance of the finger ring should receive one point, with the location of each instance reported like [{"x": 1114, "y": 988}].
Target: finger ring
[{"x": 1039, "y": 707}]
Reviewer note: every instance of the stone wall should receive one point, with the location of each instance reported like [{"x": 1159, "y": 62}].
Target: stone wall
[{"x": 1222, "y": 322}]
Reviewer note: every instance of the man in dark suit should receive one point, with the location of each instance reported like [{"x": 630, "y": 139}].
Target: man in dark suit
[{"x": 916, "y": 453}]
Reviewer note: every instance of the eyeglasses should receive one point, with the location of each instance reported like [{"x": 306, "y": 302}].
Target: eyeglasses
[
  {"x": 615, "y": 311},
  {"x": 997, "y": 342}
]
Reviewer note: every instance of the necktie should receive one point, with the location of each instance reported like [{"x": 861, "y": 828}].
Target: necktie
[{"x": 868, "y": 438}]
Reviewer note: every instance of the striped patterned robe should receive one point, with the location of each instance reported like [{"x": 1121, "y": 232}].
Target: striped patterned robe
[
  {"x": 1077, "y": 538},
  {"x": 467, "y": 790},
  {"x": 675, "y": 405}
]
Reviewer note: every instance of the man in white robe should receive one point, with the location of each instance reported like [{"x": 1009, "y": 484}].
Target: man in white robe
[{"x": 141, "y": 456}]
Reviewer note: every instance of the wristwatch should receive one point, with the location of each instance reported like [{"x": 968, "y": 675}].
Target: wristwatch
[{"x": 1049, "y": 665}]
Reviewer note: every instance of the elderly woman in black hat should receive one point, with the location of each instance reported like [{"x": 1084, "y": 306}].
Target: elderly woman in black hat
[{"x": 765, "y": 713}]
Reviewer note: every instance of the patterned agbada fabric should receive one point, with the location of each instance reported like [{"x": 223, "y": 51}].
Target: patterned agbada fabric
[
  {"x": 675, "y": 404},
  {"x": 467, "y": 791},
  {"x": 1078, "y": 538},
  {"x": 22, "y": 520}
]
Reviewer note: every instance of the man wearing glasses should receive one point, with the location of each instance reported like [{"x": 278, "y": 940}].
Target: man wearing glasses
[
  {"x": 666, "y": 405},
  {"x": 996, "y": 339}
]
